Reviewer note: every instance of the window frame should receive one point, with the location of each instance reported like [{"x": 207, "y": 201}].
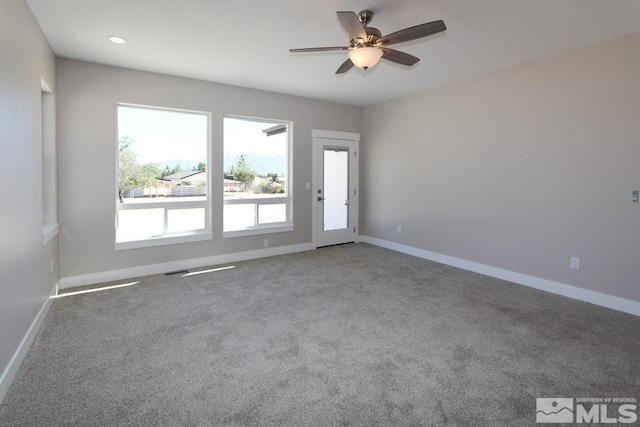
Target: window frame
[
  {"x": 48, "y": 192},
  {"x": 287, "y": 199},
  {"x": 166, "y": 238}
]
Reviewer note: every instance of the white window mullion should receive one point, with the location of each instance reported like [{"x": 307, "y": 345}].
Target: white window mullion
[
  {"x": 166, "y": 220},
  {"x": 255, "y": 215}
]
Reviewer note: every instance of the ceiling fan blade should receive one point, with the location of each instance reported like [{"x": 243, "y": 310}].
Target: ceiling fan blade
[
  {"x": 317, "y": 49},
  {"x": 346, "y": 66},
  {"x": 398, "y": 57},
  {"x": 351, "y": 23},
  {"x": 412, "y": 33}
]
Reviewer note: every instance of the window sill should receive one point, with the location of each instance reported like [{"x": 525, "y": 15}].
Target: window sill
[
  {"x": 161, "y": 241},
  {"x": 258, "y": 230},
  {"x": 49, "y": 231}
]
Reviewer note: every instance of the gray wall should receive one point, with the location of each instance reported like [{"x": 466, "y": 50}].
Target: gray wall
[
  {"x": 25, "y": 278},
  {"x": 87, "y": 94},
  {"x": 519, "y": 169}
]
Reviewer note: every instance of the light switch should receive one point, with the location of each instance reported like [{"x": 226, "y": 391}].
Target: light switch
[
  {"x": 575, "y": 263},
  {"x": 634, "y": 195}
]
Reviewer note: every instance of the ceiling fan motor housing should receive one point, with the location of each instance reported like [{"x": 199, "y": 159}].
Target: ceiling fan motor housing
[{"x": 373, "y": 34}]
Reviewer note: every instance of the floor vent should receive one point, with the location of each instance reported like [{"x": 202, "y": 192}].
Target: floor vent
[{"x": 176, "y": 272}]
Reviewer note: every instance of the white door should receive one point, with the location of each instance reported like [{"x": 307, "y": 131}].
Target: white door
[{"x": 335, "y": 192}]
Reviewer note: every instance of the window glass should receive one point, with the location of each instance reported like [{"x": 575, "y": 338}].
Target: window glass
[
  {"x": 268, "y": 214},
  {"x": 162, "y": 173},
  {"x": 256, "y": 174}
]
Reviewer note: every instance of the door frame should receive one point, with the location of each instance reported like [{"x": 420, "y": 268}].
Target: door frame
[{"x": 320, "y": 138}]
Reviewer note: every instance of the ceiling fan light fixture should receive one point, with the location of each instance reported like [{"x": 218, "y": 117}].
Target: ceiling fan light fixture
[
  {"x": 367, "y": 45},
  {"x": 117, "y": 39},
  {"x": 365, "y": 57}
]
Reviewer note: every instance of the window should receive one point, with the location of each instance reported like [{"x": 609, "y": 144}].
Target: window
[
  {"x": 161, "y": 194},
  {"x": 257, "y": 196},
  {"x": 48, "y": 194}
]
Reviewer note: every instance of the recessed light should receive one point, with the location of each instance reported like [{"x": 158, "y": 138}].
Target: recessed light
[{"x": 117, "y": 40}]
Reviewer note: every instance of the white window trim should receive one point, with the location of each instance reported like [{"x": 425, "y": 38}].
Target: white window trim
[
  {"x": 49, "y": 231},
  {"x": 263, "y": 229},
  {"x": 48, "y": 194},
  {"x": 173, "y": 238},
  {"x": 281, "y": 227},
  {"x": 164, "y": 240}
]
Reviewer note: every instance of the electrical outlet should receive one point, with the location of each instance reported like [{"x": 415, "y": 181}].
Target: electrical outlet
[
  {"x": 266, "y": 243},
  {"x": 575, "y": 263},
  {"x": 399, "y": 229}
]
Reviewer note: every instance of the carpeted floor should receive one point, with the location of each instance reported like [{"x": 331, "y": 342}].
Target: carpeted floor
[{"x": 346, "y": 335}]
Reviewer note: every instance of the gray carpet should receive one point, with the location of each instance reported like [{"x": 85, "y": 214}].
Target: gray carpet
[{"x": 347, "y": 335}]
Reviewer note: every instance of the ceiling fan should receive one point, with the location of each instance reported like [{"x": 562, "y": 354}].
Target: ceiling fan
[{"x": 368, "y": 45}]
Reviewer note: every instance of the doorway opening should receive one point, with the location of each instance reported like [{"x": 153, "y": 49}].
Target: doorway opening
[{"x": 335, "y": 160}]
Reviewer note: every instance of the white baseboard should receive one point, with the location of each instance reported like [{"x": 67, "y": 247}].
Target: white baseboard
[
  {"x": 14, "y": 364},
  {"x": 147, "y": 270},
  {"x": 597, "y": 298}
]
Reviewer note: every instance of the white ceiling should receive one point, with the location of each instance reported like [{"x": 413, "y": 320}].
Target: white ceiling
[{"x": 246, "y": 42}]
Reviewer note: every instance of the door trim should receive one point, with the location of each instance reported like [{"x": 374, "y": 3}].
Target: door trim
[{"x": 318, "y": 137}]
